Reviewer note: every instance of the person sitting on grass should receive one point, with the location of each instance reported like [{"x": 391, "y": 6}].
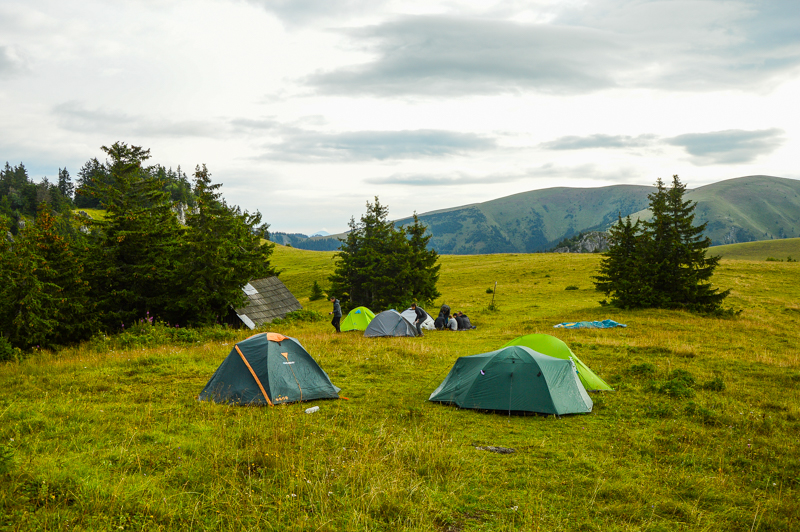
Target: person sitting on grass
[
  {"x": 452, "y": 324},
  {"x": 465, "y": 320}
]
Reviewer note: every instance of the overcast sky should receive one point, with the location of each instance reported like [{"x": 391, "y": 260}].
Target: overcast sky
[{"x": 306, "y": 109}]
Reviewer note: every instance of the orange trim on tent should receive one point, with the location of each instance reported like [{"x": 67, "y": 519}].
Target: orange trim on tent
[
  {"x": 275, "y": 337},
  {"x": 253, "y": 373}
]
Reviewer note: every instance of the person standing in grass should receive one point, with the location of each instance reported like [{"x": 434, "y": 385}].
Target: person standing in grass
[
  {"x": 337, "y": 314},
  {"x": 421, "y": 316}
]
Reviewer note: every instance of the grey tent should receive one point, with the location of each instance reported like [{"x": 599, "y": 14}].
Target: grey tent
[
  {"x": 514, "y": 378},
  {"x": 267, "y": 299},
  {"x": 389, "y": 323}
]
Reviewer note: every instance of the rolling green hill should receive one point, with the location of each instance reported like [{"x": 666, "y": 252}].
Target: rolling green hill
[
  {"x": 763, "y": 250},
  {"x": 737, "y": 210},
  {"x": 747, "y": 209}
]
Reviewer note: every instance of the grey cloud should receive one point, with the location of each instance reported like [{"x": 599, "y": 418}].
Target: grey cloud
[
  {"x": 729, "y": 146},
  {"x": 10, "y": 61},
  {"x": 249, "y": 124},
  {"x": 74, "y": 116},
  {"x": 598, "y": 45},
  {"x": 300, "y": 12},
  {"x": 455, "y": 178},
  {"x": 309, "y": 146},
  {"x": 599, "y": 141},
  {"x": 441, "y": 54},
  {"x": 545, "y": 171}
]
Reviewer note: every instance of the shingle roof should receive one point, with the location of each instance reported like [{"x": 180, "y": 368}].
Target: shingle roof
[{"x": 267, "y": 299}]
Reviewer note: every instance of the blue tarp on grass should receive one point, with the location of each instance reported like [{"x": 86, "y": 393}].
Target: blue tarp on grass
[{"x": 605, "y": 324}]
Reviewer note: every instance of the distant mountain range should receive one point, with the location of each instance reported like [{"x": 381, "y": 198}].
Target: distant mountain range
[{"x": 744, "y": 209}]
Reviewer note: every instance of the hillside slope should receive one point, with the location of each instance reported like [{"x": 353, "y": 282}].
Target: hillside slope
[
  {"x": 747, "y": 209},
  {"x": 743, "y": 209}
]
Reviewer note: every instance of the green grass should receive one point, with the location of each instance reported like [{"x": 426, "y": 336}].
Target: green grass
[
  {"x": 762, "y": 250},
  {"x": 701, "y": 433},
  {"x": 97, "y": 214}
]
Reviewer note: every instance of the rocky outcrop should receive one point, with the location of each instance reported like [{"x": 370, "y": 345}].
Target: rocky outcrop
[{"x": 593, "y": 242}]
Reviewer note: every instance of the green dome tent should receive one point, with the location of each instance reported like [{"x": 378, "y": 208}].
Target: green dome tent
[
  {"x": 268, "y": 368},
  {"x": 552, "y": 346},
  {"x": 357, "y": 319},
  {"x": 514, "y": 378},
  {"x": 390, "y": 323}
]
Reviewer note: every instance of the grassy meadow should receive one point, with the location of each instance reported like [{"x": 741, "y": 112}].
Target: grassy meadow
[{"x": 700, "y": 434}]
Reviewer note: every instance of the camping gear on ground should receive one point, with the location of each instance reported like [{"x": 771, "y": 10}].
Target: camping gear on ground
[
  {"x": 604, "y": 324},
  {"x": 514, "y": 378},
  {"x": 268, "y": 369},
  {"x": 390, "y": 323},
  {"x": 357, "y": 319},
  {"x": 411, "y": 316},
  {"x": 552, "y": 346}
]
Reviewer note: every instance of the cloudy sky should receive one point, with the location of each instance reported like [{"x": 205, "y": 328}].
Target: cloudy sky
[{"x": 306, "y": 109}]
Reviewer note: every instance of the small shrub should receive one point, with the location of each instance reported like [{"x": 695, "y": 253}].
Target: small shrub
[
  {"x": 316, "y": 292},
  {"x": 642, "y": 370},
  {"x": 547, "y": 275},
  {"x": 7, "y": 351},
  {"x": 683, "y": 376},
  {"x": 489, "y": 291},
  {"x": 301, "y": 315},
  {"x": 790, "y": 259},
  {"x": 773, "y": 259},
  {"x": 571, "y": 287},
  {"x": 715, "y": 385},
  {"x": 493, "y": 307},
  {"x": 680, "y": 383}
]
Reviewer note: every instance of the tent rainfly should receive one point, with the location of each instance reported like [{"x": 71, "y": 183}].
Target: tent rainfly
[
  {"x": 411, "y": 316},
  {"x": 514, "y": 378},
  {"x": 389, "y": 323},
  {"x": 268, "y": 369},
  {"x": 552, "y": 346},
  {"x": 357, "y": 319},
  {"x": 267, "y": 299}
]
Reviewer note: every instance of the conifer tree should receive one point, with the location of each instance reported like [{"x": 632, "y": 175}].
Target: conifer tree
[
  {"x": 665, "y": 266},
  {"x": 138, "y": 246},
  {"x": 375, "y": 266},
  {"x": 423, "y": 264},
  {"x": 45, "y": 298},
  {"x": 223, "y": 254},
  {"x": 619, "y": 270}
]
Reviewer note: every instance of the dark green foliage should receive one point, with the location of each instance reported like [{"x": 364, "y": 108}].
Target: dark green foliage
[
  {"x": 489, "y": 291},
  {"x": 44, "y": 296},
  {"x": 715, "y": 385},
  {"x": 137, "y": 248},
  {"x": 7, "y": 351},
  {"x": 644, "y": 370},
  {"x": 572, "y": 287},
  {"x": 663, "y": 264},
  {"x": 222, "y": 252},
  {"x": 316, "y": 292},
  {"x": 380, "y": 267},
  {"x": 619, "y": 269},
  {"x": 679, "y": 383},
  {"x": 301, "y": 315},
  {"x": 20, "y": 197},
  {"x": 6, "y": 459}
]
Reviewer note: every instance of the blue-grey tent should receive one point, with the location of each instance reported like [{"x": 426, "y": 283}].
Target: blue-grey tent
[{"x": 390, "y": 323}]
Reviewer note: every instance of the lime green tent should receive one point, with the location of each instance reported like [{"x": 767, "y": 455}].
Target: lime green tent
[
  {"x": 514, "y": 378},
  {"x": 552, "y": 346},
  {"x": 357, "y": 319}
]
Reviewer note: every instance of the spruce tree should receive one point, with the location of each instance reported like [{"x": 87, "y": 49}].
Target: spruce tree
[
  {"x": 138, "y": 245},
  {"x": 45, "y": 298},
  {"x": 423, "y": 264},
  {"x": 665, "y": 266},
  {"x": 223, "y": 253},
  {"x": 377, "y": 267},
  {"x": 619, "y": 275}
]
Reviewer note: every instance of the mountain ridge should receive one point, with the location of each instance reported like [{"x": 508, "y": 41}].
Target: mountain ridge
[{"x": 742, "y": 209}]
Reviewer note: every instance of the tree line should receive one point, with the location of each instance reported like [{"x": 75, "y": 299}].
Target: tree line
[{"x": 64, "y": 278}]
